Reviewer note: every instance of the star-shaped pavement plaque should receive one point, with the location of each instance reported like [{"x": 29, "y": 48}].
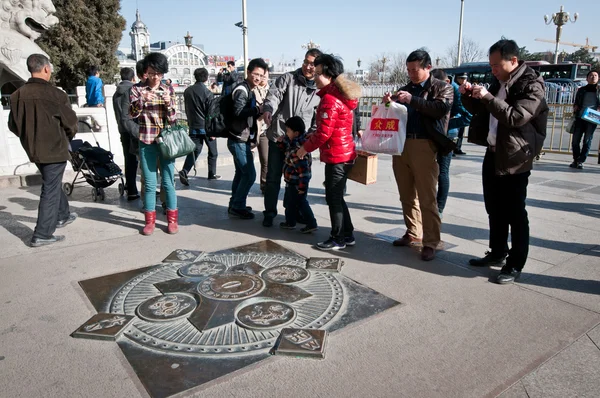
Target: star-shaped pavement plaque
[{"x": 224, "y": 310}]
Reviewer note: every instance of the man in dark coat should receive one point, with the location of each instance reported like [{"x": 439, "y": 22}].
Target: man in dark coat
[
  {"x": 129, "y": 131},
  {"x": 42, "y": 117},
  {"x": 510, "y": 120}
]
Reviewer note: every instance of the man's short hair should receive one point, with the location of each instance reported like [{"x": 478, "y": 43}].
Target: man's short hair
[
  {"x": 313, "y": 52},
  {"x": 36, "y": 62},
  {"x": 506, "y": 48},
  {"x": 439, "y": 74},
  {"x": 92, "y": 70},
  {"x": 332, "y": 65},
  {"x": 156, "y": 61},
  {"x": 257, "y": 63},
  {"x": 590, "y": 72},
  {"x": 420, "y": 55},
  {"x": 201, "y": 75},
  {"x": 230, "y": 63},
  {"x": 295, "y": 123},
  {"x": 139, "y": 69},
  {"x": 127, "y": 74}
]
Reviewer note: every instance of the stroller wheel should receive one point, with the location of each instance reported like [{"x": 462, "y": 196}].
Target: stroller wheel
[
  {"x": 95, "y": 194},
  {"x": 67, "y": 188},
  {"x": 121, "y": 189}
]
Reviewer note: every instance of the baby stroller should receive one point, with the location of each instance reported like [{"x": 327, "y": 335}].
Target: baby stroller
[{"x": 93, "y": 165}]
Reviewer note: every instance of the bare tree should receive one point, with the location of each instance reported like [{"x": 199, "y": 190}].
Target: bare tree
[
  {"x": 379, "y": 70},
  {"x": 398, "y": 74},
  {"x": 471, "y": 52}
]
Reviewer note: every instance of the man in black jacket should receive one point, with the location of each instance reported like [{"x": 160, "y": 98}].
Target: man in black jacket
[
  {"x": 42, "y": 117},
  {"x": 198, "y": 99},
  {"x": 510, "y": 120},
  {"x": 242, "y": 132},
  {"x": 129, "y": 131},
  {"x": 429, "y": 101}
]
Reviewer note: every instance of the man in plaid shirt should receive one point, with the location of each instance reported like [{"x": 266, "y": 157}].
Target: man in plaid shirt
[{"x": 297, "y": 174}]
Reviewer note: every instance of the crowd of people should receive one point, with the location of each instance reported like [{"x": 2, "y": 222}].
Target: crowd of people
[{"x": 313, "y": 108}]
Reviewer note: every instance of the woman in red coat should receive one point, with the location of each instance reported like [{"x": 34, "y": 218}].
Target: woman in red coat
[{"x": 333, "y": 138}]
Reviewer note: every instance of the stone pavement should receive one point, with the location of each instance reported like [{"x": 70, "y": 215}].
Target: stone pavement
[{"x": 456, "y": 334}]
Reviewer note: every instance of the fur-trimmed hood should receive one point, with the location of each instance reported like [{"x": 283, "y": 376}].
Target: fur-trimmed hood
[{"x": 343, "y": 89}]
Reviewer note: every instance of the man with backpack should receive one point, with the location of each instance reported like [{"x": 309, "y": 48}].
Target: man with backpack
[
  {"x": 293, "y": 94},
  {"x": 198, "y": 99},
  {"x": 242, "y": 132}
]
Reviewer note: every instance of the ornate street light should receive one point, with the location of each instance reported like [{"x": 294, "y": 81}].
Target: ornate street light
[
  {"x": 383, "y": 61},
  {"x": 358, "y": 63},
  {"x": 188, "y": 42},
  {"x": 559, "y": 19},
  {"x": 310, "y": 45}
]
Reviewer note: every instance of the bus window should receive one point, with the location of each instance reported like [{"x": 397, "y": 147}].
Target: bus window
[{"x": 582, "y": 71}]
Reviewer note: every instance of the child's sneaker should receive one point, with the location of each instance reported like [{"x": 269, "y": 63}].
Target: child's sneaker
[
  {"x": 349, "y": 241},
  {"x": 285, "y": 225},
  {"x": 308, "y": 230}
]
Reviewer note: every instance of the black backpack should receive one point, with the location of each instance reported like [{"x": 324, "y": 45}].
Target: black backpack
[{"x": 219, "y": 121}]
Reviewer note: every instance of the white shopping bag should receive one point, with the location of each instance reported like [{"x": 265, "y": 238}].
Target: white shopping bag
[{"x": 386, "y": 132}]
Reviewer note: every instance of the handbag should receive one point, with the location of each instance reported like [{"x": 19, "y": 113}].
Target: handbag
[{"x": 174, "y": 142}]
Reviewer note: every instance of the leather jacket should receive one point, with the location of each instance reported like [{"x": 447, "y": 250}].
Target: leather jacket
[
  {"x": 433, "y": 107},
  {"x": 522, "y": 120}
]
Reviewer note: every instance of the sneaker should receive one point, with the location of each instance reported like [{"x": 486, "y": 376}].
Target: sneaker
[
  {"x": 350, "y": 241},
  {"x": 267, "y": 222},
  {"x": 243, "y": 214},
  {"x": 330, "y": 244},
  {"x": 285, "y": 225},
  {"x": 63, "y": 223},
  {"x": 573, "y": 165},
  {"x": 580, "y": 166},
  {"x": 508, "y": 275},
  {"x": 308, "y": 230},
  {"x": 183, "y": 178},
  {"x": 37, "y": 242},
  {"x": 215, "y": 177},
  {"x": 488, "y": 260}
]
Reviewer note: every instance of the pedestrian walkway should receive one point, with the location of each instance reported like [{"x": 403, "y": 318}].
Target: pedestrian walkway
[{"x": 455, "y": 334}]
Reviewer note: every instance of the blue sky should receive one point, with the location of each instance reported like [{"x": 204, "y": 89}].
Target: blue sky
[{"x": 358, "y": 29}]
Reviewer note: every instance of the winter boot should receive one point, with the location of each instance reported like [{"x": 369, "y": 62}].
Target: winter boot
[
  {"x": 172, "y": 216},
  {"x": 150, "y": 222}
]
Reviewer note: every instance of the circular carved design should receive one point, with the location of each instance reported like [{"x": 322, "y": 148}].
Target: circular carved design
[
  {"x": 202, "y": 268},
  {"x": 231, "y": 286},
  {"x": 285, "y": 274},
  {"x": 265, "y": 315},
  {"x": 166, "y": 308},
  {"x": 181, "y": 337}
]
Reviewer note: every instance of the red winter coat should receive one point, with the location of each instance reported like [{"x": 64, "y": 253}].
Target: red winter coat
[{"x": 333, "y": 136}]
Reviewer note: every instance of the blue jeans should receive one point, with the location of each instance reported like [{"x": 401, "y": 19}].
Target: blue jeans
[
  {"x": 245, "y": 173},
  {"x": 295, "y": 203},
  {"x": 149, "y": 158},
  {"x": 583, "y": 130},
  {"x": 443, "y": 180}
]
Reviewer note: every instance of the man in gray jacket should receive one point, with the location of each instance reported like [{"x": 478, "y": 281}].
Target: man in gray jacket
[
  {"x": 129, "y": 131},
  {"x": 293, "y": 94}
]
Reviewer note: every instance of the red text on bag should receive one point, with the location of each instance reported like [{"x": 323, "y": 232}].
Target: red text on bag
[{"x": 385, "y": 124}]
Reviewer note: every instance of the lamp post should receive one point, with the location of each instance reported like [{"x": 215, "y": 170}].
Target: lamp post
[
  {"x": 559, "y": 19},
  {"x": 188, "y": 42},
  {"x": 310, "y": 45},
  {"x": 460, "y": 26},
  {"x": 242, "y": 25},
  {"x": 358, "y": 61},
  {"x": 383, "y": 61}
]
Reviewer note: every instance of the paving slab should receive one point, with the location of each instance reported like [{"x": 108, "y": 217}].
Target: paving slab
[
  {"x": 574, "y": 372},
  {"x": 594, "y": 335},
  {"x": 516, "y": 391}
]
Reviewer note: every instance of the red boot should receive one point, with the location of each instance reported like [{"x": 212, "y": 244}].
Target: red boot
[
  {"x": 172, "y": 216},
  {"x": 150, "y": 222}
]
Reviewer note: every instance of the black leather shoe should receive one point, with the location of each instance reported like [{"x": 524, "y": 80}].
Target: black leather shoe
[
  {"x": 489, "y": 260},
  {"x": 243, "y": 214},
  {"x": 37, "y": 242},
  {"x": 63, "y": 223},
  {"x": 215, "y": 177},
  {"x": 267, "y": 222},
  {"x": 183, "y": 178},
  {"x": 508, "y": 276}
]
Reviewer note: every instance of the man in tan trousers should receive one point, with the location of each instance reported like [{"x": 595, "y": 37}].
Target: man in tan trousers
[{"x": 428, "y": 101}]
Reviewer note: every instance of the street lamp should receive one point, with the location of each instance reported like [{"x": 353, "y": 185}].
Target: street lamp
[
  {"x": 188, "y": 42},
  {"x": 462, "y": 11},
  {"x": 559, "y": 19},
  {"x": 310, "y": 45},
  {"x": 437, "y": 61},
  {"x": 358, "y": 63},
  {"x": 383, "y": 61},
  {"x": 243, "y": 25}
]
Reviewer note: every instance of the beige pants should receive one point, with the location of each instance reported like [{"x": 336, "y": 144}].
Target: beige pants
[{"x": 416, "y": 172}]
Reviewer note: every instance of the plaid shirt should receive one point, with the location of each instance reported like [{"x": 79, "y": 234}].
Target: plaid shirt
[
  {"x": 151, "y": 110},
  {"x": 296, "y": 171}
]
